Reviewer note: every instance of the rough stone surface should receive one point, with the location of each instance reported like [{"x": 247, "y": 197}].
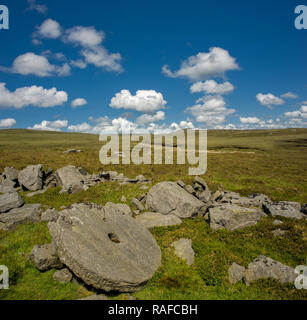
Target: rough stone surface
[
  {"x": 10, "y": 173},
  {"x": 203, "y": 192},
  {"x": 279, "y": 232},
  {"x": 44, "y": 257},
  {"x": 233, "y": 217},
  {"x": 7, "y": 186},
  {"x": 10, "y": 201},
  {"x": 184, "y": 250},
  {"x": 137, "y": 204},
  {"x": 70, "y": 179},
  {"x": 123, "y": 199},
  {"x": 253, "y": 200},
  {"x": 31, "y": 178},
  {"x": 118, "y": 208},
  {"x": 169, "y": 197},
  {"x": 154, "y": 219},
  {"x": 236, "y": 273},
  {"x": 18, "y": 216},
  {"x": 264, "y": 267},
  {"x": 282, "y": 209},
  {"x": 62, "y": 276},
  {"x": 107, "y": 251},
  {"x": 50, "y": 215}
]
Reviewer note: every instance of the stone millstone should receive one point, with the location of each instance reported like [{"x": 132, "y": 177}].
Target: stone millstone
[
  {"x": 108, "y": 251},
  {"x": 169, "y": 197}
]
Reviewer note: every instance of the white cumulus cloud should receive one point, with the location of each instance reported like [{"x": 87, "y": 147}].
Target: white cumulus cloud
[
  {"x": 31, "y": 96},
  {"x": 249, "y": 120},
  {"x": 269, "y": 99},
  {"x": 50, "y": 125},
  {"x": 204, "y": 65},
  {"x": 212, "y": 87},
  {"x": 147, "y": 118},
  {"x": 79, "y": 102},
  {"x": 7, "y": 123},
  {"x": 83, "y": 127},
  {"x": 49, "y": 29},
  {"x": 289, "y": 95},
  {"x": 84, "y": 36},
  {"x": 34, "y": 6},
  {"x": 147, "y": 101}
]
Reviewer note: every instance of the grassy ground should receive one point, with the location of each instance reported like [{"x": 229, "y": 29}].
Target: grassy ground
[{"x": 277, "y": 168}]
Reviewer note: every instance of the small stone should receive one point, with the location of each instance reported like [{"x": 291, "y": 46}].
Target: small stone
[
  {"x": 236, "y": 273},
  {"x": 137, "y": 204},
  {"x": 62, "y": 276},
  {"x": 279, "y": 232},
  {"x": 10, "y": 201},
  {"x": 44, "y": 257},
  {"x": 123, "y": 199},
  {"x": 184, "y": 250},
  {"x": 277, "y": 222}
]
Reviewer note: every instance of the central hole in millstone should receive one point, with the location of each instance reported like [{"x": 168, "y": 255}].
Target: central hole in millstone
[{"x": 113, "y": 237}]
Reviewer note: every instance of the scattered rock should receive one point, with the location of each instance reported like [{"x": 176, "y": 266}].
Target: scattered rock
[
  {"x": 123, "y": 199},
  {"x": 264, "y": 267},
  {"x": 184, "y": 250},
  {"x": 15, "y": 217},
  {"x": 137, "y": 204},
  {"x": 62, "y": 276},
  {"x": 279, "y": 232},
  {"x": 168, "y": 197},
  {"x": 154, "y": 219},
  {"x": 7, "y": 186},
  {"x": 31, "y": 178},
  {"x": 277, "y": 222},
  {"x": 282, "y": 209},
  {"x": 236, "y": 273},
  {"x": 10, "y": 201},
  {"x": 111, "y": 252},
  {"x": 141, "y": 178},
  {"x": 35, "y": 193},
  {"x": 203, "y": 192},
  {"x": 144, "y": 187},
  {"x": 70, "y": 179},
  {"x": 118, "y": 208},
  {"x": 72, "y": 151},
  {"x": 232, "y": 217},
  {"x": 50, "y": 215},
  {"x": 10, "y": 173},
  {"x": 95, "y": 297},
  {"x": 44, "y": 257}
]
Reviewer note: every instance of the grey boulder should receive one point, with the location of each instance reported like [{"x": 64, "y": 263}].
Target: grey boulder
[
  {"x": 282, "y": 209},
  {"x": 45, "y": 258},
  {"x": 18, "y": 216},
  {"x": 62, "y": 276},
  {"x": 264, "y": 267},
  {"x": 232, "y": 217},
  {"x": 10, "y": 201},
  {"x": 70, "y": 179},
  {"x": 7, "y": 186},
  {"x": 236, "y": 273},
  {"x": 184, "y": 250},
  {"x": 111, "y": 252},
  {"x": 154, "y": 219},
  {"x": 10, "y": 173},
  {"x": 118, "y": 208},
  {"x": 169, "y": 197},
  {"x": 31, "y": 178}
]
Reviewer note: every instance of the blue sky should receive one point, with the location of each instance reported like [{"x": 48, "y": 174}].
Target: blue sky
[{"x": 102, "y": 66}]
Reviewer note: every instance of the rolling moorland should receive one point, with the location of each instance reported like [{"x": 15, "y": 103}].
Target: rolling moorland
[{"x": 272, "y": 162}]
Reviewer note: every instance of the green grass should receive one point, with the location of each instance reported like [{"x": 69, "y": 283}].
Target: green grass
[{"x": 277, "y": 168}]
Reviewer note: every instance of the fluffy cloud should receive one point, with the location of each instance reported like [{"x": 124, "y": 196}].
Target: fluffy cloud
[
  {"x": 147, "y": 101},
  {"x": 93, "y": 52},
  {"x": 182, "y": 125},
  {"x": 33, "y": 64},
  {"x": 31, "y": 96},
  {"x": 301, "y": 113},
  {"x": 212, "y": 87},
  {"x": 79, "y": 102},
  {"x": 34, "y": 6},
  {"x": 147, "y": 118},
  {"x": 250, "y": 120},
  {"x": 49, "y": 29},
  {"x": 204, "y": 65},
  {"x": 83, "y": 127},
  {"x": 50, "y": 125},
  {"x": 289, "y": 95},
  {"x": 210, "y": 110},
  {"x": 7, "y": 123},
  {"x": 269, "y": 99}
]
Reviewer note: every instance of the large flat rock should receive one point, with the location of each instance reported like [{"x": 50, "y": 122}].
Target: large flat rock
[
  {"x": 10, "y": 201},
  {"x": 169, "y": 197},
  {"x": 232, "y": 217},
  {"x": 70, "y": 179},
  {"x": 18, "y": 216},
  {"x": 283, "y": 209},
  {"x": 109, "y": 251},
  {"x": 154, "y": 219}
]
